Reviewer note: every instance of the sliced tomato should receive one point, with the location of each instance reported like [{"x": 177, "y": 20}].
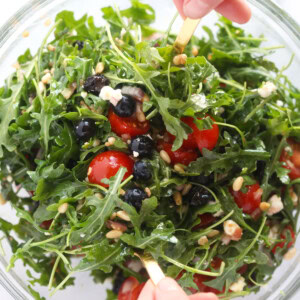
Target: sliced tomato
[
  {"x": 127, "y": 288},
  {"x": 107, "y": 164},
  {"x": 292, "y": 163},
  {"x": 283, "y": 236},
  {"x": 182, "y": 156},
  {"x": 129, "y": 125},
  {"x": 206, "y": 220},
  {"x": 250, "y": 200}
]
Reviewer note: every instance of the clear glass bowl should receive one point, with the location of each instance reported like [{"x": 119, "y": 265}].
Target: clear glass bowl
[{"x": 268, "y": 19}]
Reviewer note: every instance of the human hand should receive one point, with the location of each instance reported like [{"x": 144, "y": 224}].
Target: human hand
[
  {"x": 168, "y": 289},
  {"x": 235, "y": 10}
]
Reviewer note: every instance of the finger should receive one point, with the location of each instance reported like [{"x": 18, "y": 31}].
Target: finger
[
  {"x": 203, "y": 296},
  {"x": 148, "y": 291},
  {"x": 235, "y": 10},
  {"x": 168, "y": 289},
  {"x": 179, "y": 6},
  {"x": 196, "y": 9}
]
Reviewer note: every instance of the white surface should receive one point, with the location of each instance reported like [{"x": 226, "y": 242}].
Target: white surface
[{"x": 10, "y": 7}]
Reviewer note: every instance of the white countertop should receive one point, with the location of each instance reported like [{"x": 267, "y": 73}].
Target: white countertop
[{"x": 8, "y": 8}]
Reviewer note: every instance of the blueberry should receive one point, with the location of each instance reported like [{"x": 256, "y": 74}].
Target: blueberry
[
  {"x": 141, "y": 146},
  {"x": 85, "y": 129},
  {"x": 202, "y": 179},
  {"x": 95, "y": 83},
  {"x": 125, "y": 107},
  {"x": 134, "y": 197},
  {"x": 198, "y": 196},
  {"x": 142, "y": 171},
  {"x": 118, "y": 282},
  {"x": 80, "y": 44}
]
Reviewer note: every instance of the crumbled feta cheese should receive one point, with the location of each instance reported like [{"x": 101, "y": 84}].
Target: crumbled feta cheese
[
  {"x": 83, "y": 94},
  {"x": 267, "y": 89},
  {"x": 109, "y": 94},
  {"x": 200, "y": 100},
  {"x": 135, "y": 154},
  {"x": 276, "y": 205},
  {"x": 219, "y": 213},
  {"x": 238, "y": 286},
  {"x": 232, "y": 230}
]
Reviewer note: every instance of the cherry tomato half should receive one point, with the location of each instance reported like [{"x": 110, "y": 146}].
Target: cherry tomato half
[
  {"x": 292, "y": 163},
  {"x": 127, "y": 288},
  {"x": 206, "y": 138},
  {"x": 107, "y": 164},
  {"x": 206, "y": 220},
  {"x": 283, "y": 236},
  {"x": 250, "y": 200},
  {"x": 129, "y": 125},
  {"x": 182, "y": 156}
]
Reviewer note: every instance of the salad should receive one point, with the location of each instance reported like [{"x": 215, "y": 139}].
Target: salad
[{"x": 124, "y": 147}]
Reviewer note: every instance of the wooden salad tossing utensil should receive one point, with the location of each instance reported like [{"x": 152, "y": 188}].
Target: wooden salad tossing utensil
[
  {"x": 186, "y": 32},
  {"x": 154, "y": 271}
]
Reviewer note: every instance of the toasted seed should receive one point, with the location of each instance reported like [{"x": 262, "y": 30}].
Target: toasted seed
[
  {"x": 213, "y": 233},
  {"x": 99, "y": 68},
  {"x": 179, "y": 168},
  {"x": 203, "y": 240},
  {"x": 122, "y": 192},
  {"x": 98, "y": 195},
  {"x": 96, "y": 143},
  {"x": 116, "y": 226},
  {"x": 290, "y": 254},
  {"x": 264, "y": 206},
  {"x": 165, "y": 156},
  {"x": 89, "y": 171},
  {"x": 51, "y": 48},
  {"x": 186, "y": 189},
  {"x": 180, "y": 59},
  {"x": 47, "y": 22},
  {"x": 140, "y": 116},
  {"x": 113, "y": 216},
  {"x": 25, "y": 34},
  {"x": 195, "y": 50},
  {"x": 148, "y": 191},
  {"x": 114, "y": 234},
  {"x": 123, "y": 215},
  {"x": 238, "y": 183},
  {"x": 177, "y": 198},
  {"x": 294, "y": 198},
  {"x": 2, "y": 200},
  {"x": 111, "y": 140},
  {"x": 63, "y": 208},
  {"x": 46, "y": 78}
]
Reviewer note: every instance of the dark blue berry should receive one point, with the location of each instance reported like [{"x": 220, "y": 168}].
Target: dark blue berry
[
  {"x": 135, "y": 197},
  {"x": 202, "y": 179},
  {"x": 95, "y": 83},
  {"x": 79, "y": 44},
  {"x": 142, "y": 171},
  {"x": 118, "y": 282},
  {"x": 85, "y": 129},
  {"x": 125, "y": 107},
  {"x": 143, "y": 145},
  {"x": 198, "y": 196}
]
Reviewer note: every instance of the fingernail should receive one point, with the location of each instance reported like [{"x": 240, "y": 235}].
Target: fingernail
[{"x": 168, "y": 285}]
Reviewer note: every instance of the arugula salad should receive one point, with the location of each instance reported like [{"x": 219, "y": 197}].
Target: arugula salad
[{"x": 124, "y": 146}]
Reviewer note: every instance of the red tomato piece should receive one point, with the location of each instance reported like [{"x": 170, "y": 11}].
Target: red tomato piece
[
  {"x": 127, "y": 288},
  {"x": 292, "y": 163},
  {"x": 250, "y": 200},
  {"x": 182, "y": 156},
  {"x": 129, "y": 125},
  {"x": 46, "y": 224},
  {"x": 137, "y": 291},
  {"x": 107, "y": 164},
  {"x": 283, "y": 236},
  {"x": 206, "y": 220}
]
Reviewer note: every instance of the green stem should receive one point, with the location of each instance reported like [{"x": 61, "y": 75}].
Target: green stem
[
  {"x": 232, "y": 83},
  {"x": 193, "y": 270},
  {"x": 126, "y": 181},
  {"x": 257, "y": 108},
  {"x": 62, "y": 283},
  {"x": 152, "y": 114},
  {"x": 53, "y": 221},
  {"x": 36, "y": 244},
  {"x": 165, "y": 41},
  {"x": 53, "y": 273}
]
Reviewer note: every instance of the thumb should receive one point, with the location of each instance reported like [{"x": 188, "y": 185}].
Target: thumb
[
  {"x": 168, "y": 289},
  {"x": 196, "y": 9}
]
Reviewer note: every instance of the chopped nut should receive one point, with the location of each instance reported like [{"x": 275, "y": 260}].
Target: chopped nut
[
  {"x": 46, "y": 78},
  {"x": 148, "y": 192},
  {"x": 113, "y": 216},
  {"x": 239, "y": 285},
  {"x": 123, "y": 215},
  {"x": 111, "y": 140},
  {"x": 294, "y": 197},
  {"x": 276, "y": 205},
  {"x": 89, "y": 171},
  {"x": 47, "y": 22},
  {"x": 69, "y": 91},
  {"x": 122, "y": 192},
  {"x": 16, "y": 65},
  {"x": 180, "y": 59},
  {"x": 177, "y": 198},
  {"x": 2, "y": 200},
  {"x": 116, "y": 226},
  {"x": 264, "y": 206},
  {"x": 96, "y": 143},
  {"x": 25, "y": 34},
  {"x": 179, "y": 168},
  {"x": 63, "y": 208},
  {"x": 209, "y": 56},
  {"x": 165, "y": 156},
  {"x": 186, "y": 189},
  {"x": 99, "y": 68},
  {"x": 213, "y": 233},
  {"x": 51, "y": 48},
  {"x": 114, "y": 234},
  {"x": 98, "y": 195},
  {"x": 195, "y": 50},
  {"x": 238, "y": 183},
  {"x": 203, "y": 240},
  {"x": 290, "y": 254}
]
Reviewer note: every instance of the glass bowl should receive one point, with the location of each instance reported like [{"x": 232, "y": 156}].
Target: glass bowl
[{"x": 268, "y": 19}]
